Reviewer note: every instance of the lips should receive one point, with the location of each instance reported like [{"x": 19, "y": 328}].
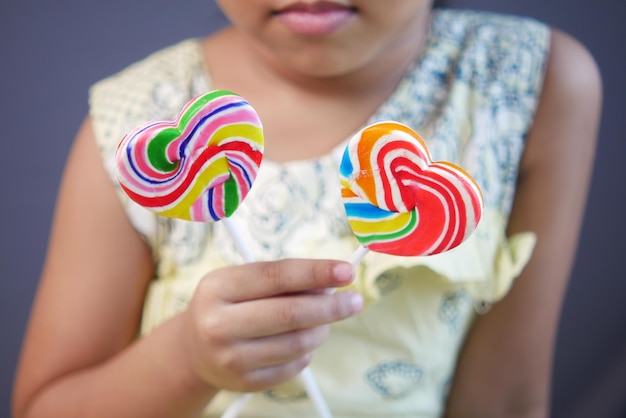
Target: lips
[
  {"x": 315, "y": 19},
  {"x": 318, "y": 6}
]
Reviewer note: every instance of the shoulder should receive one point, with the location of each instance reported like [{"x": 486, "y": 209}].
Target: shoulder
[
  {"x": 568, "y": 115},
  {"x": 572, "y": 90},
  {"x": 154, "y": 87},
  {"x": 572, "y": 72}
]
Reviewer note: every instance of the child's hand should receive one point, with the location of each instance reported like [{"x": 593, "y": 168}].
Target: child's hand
[{"x": 254, "y": 326}]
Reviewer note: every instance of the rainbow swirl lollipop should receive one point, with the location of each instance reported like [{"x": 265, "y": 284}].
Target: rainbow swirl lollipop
[
  {"x": 198, "y": 167},
  {"x": 398, "y": 200}
]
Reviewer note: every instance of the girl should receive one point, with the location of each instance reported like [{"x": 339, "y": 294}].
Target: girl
[{"x": 138, "y": 316}]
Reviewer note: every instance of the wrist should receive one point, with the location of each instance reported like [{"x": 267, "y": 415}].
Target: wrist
[{"x": 182, "y": 362}]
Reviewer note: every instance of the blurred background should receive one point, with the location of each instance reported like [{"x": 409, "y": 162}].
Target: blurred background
[{"x": 52, "y": 51}]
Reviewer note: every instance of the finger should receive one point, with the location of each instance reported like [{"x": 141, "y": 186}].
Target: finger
[
  {"x": 274, "y": 350},
  {"x": 268, "y": 377},
  {"x": 262, "y": 280},
  {"x": 265, "y": 317}
]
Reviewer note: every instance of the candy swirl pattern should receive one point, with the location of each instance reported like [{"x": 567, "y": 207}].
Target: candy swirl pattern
[
  {"x": 398, "y": 201},
  {"x": 199, "y": 167}
]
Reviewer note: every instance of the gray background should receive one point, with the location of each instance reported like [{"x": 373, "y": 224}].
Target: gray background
[{"x": 52, "y": 51}]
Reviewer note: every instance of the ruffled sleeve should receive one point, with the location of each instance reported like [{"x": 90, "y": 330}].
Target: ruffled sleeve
[{"x": 484, "y": 266}]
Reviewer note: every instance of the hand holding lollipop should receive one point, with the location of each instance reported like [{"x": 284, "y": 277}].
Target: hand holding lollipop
[
  {"x": 200, "y": 168},
  {"x": 398, "y": 201}
]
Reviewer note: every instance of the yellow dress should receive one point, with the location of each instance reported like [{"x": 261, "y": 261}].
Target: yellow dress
[{"x": 472, "y": 94}]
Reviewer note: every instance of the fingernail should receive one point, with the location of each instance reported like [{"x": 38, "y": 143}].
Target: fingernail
[{"x": 343, "y": 272}]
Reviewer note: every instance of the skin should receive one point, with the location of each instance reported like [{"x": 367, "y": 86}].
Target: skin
[
  {"x": 505, "y": 367},
  {"x": 329, "y": 86},
  {"x": 81, "y": 357}
]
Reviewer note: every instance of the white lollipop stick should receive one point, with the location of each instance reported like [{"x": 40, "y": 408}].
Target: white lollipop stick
[
  {"x": 314, "y": 393},
  {"x": 235, "y": 408},
  {"x": 310, "y": 385},
  {"x": 358, "y": 255},
  {"x": 241, "y": 245}
]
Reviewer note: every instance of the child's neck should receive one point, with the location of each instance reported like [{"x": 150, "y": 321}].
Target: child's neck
[{"x": 303, "y": 116}]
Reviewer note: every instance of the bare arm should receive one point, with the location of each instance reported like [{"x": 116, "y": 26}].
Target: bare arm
[
  {"x": 505, "y": 367},
  {"x": 88, "y": 307},
  {"x": 81, "y": 355}
]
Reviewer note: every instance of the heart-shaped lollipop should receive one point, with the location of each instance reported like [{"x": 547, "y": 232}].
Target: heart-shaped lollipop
[
  {"x": 198, "y": 167},
  {"x": 398, "y": 200}
]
